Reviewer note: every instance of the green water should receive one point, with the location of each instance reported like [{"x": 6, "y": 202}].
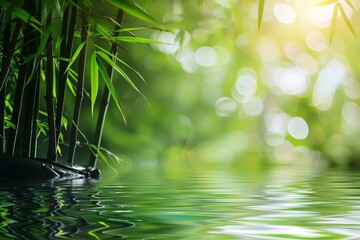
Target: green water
[{"x": 218, "y": 203}]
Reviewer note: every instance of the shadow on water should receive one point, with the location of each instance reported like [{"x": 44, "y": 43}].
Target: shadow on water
[{"x": 219, "y": 203}]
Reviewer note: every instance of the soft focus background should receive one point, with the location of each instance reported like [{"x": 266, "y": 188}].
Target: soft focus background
[{"x": 222, "y": 91}]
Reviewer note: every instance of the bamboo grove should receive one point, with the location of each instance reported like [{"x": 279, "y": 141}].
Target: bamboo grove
[{"x": 49, "y": 48}]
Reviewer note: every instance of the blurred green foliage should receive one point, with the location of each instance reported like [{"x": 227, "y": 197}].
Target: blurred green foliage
[{"x": 224, "y": 91}]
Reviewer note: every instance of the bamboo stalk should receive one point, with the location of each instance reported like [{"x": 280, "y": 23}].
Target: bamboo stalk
[
  {"x": 66, "y": 49},
  {"x": 105, "y": 98},
  {"x": 20, "y": 83},
  {"x": 79, "y": 93},
  {"x": 31, "y": 92},
  {"x": 51, "y": 154},
  {"x": 6, "y": 42}
]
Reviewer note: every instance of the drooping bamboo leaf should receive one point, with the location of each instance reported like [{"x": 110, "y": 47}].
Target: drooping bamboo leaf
[
  {"x": 70, "y": 85},
  {"x": 135, "y": 10},
  {"x": 120, "y": 61},
  {"x": 346, "y": 19},
  {"x": 75, "y": 55},
  {"x": 333, "y": 22},
  {"x": 104, "y": 32},
  {"x": 324, "y": 3},
  {"x": 260, "y": 12},
  {"x": 348, "y": 2},
  {"x": 138, "y": 40},
  {"x": 111, "y": 88},
  {"x": 94, "y": 80},
  {"x": 121, "y": 72},
  {"x": 27, "y": 18}
]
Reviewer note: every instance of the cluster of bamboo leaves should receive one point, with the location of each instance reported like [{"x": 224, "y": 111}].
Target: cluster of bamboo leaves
[{"x": 46, "y": 48}]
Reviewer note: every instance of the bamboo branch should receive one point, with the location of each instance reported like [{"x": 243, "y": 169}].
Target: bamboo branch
[
  {"x": 105, "y": 98},
  {"x": 79, "y": 93}
]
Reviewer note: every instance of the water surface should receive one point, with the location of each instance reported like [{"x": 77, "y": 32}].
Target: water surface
[{"x": 218, "y": 203}]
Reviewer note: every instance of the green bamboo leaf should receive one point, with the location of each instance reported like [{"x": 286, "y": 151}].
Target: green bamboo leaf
[
  {"x": 94, "y": 80},
  {"x": 131, "y": 29},
  {"x": 111, "y": 88},
  {"x": 348, "y": 2},
  {"x": 104, "y": 32},
  {"x": 27, "y": 18},
  {"x": 64, "y": 122},
  {"x": 138, "y": 40},
  {"x": 260, "y": 12},
  {"x": 333, "y": 22},
  {"x": 118, "y": 69},
  {"x": 76, "y": 54},
  {"x": 324, "y": 3},
  {"x": 58, "y": 42},
  {"x": 120, "y": 61},
  {"x": 121, "y": 72},
  {"x": 135, "y": 10},
  {"x": 346, "y": 19}
]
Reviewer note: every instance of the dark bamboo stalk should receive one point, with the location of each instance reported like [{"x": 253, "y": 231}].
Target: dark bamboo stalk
[
  {"x": 79, "y": 93},
  {"x": 19, "y": 90},
  {"x": 5, "y": 45},
  {"x": 51, "y": 154},
  {"x": 67, "y": 33},
  {"x": 31, "y": 91},
  {"x": 105, "y": 98}
]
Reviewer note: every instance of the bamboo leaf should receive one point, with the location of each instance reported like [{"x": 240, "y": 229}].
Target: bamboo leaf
[
  {"x": 333, "y": 22},
  {"x": 104, "y": 32},
  {"x": 64, "y": 122},
  {"x": 111, "y": 88},
  {"x": 346, "y": 19},
  {"x": 260, "y": 12},
  {"x": 138, "y": 40},
  {"x": 120, "y": 71},
  {"x": 348, "y": 2},
  {"x": 121, "y": 61},
  {"x": 94, "y": 80},
  {"x": 27, "y": 18},
  {"x": 75, "y": 55},
  {"x": 324, "y": 3},
  {"x": 135, "y": 10}
]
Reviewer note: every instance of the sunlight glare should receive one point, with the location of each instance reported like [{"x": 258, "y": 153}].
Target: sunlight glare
[
  {"x": 298, "y": 128},
  {"x": 321, "y": 16},
  {"x": 246, "y": 85},
  {"x": 316, "y": 41},
  {"x": 284, "y": 13},
  {"x": 253, "y": 106},
  {"x": 291, "y": 81},
  {"x": 206, "y": 56},
  {"x": 268, "y": 50},
  {"x": 225, "y": 106}
]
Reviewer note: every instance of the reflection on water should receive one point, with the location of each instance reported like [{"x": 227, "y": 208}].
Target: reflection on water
[{"x": 288, "y": 203}]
